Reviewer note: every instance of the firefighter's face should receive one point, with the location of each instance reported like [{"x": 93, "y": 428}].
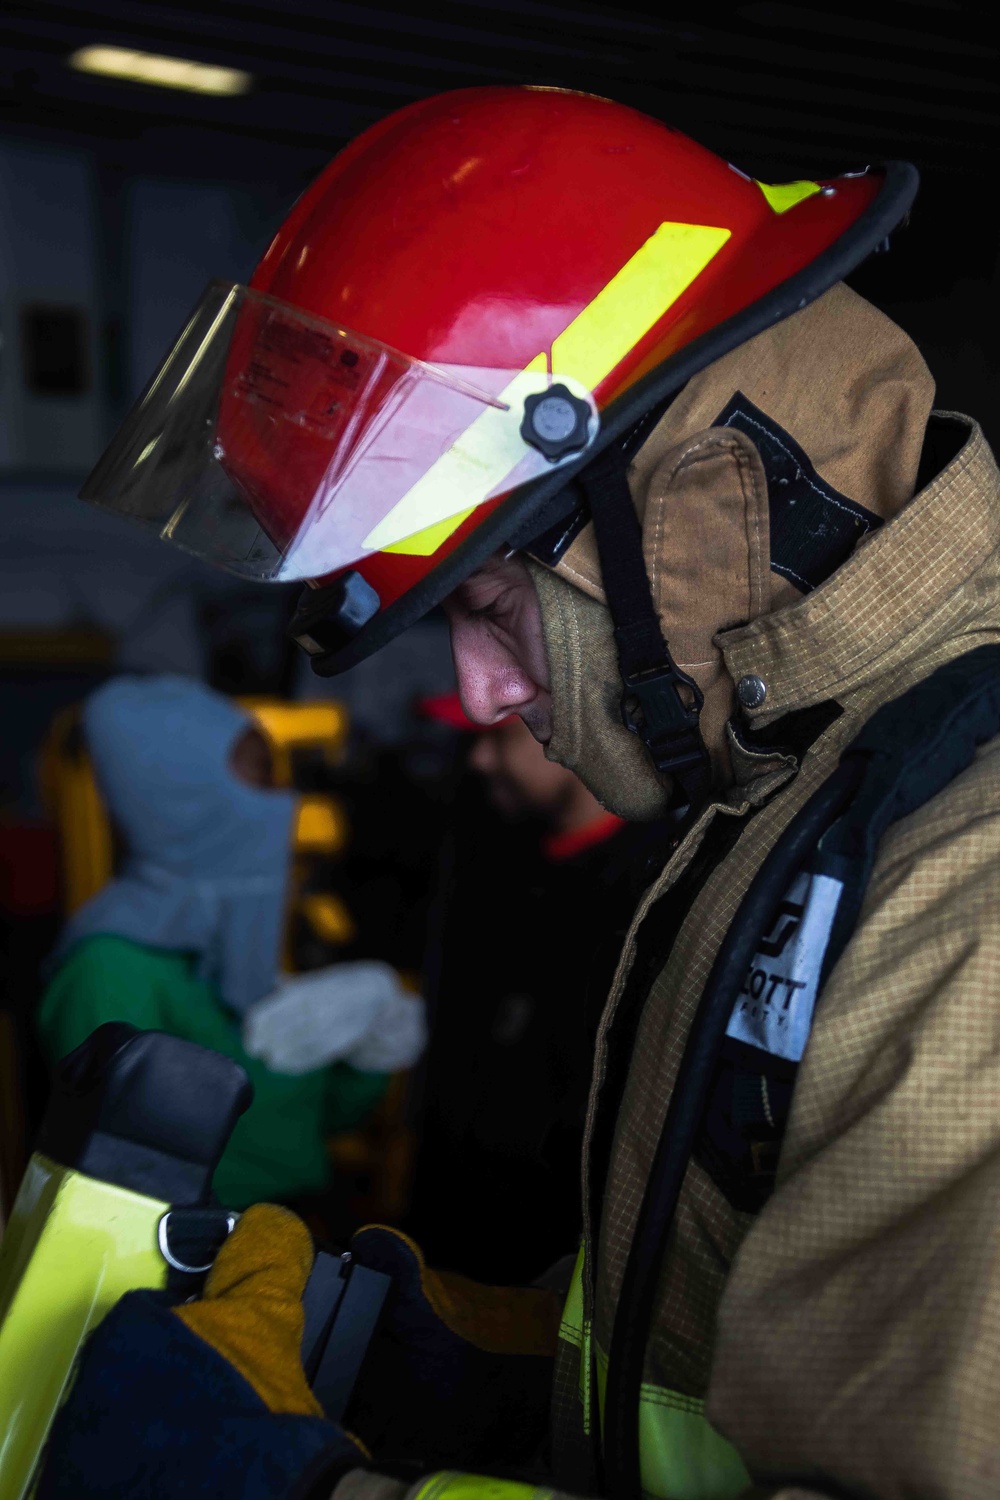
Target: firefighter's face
[{"x": 498, "y": 646}]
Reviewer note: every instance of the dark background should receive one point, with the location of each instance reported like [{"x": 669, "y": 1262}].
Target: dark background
[{"x": 782, "y": 90}]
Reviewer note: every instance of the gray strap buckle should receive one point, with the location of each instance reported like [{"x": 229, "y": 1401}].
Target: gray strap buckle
[{"x": 163, "y": 1240}]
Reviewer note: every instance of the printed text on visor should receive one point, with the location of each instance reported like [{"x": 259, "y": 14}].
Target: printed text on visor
[{"x": 280, "y": 447}]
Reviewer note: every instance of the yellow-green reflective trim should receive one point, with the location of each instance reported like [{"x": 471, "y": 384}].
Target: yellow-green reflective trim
[
  {"x": 635, "y": 299},
  {"x": 575, "y": 1329},
  {"x": 457, "y": 1486},
  {"x": 593, "y": 345},
  {"x": 784, "y": 195},
  {"x": 681, "y": 1456},
  {"x": 571, "y": 1328},
  {"x": 72, "y": 1248}
]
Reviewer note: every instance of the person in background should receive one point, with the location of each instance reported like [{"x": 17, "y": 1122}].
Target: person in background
[
  {"x": 187, "y": 937},
  {"x": 545, "y": 881}
]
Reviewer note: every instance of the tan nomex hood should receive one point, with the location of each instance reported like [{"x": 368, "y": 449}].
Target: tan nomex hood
[{"x": 837, "y": 380}]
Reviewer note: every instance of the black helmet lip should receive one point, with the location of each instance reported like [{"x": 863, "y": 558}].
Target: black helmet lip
[{"x": 894, "y": 200}]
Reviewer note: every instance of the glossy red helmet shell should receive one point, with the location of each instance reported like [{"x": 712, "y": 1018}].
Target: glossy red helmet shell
[{"x": 474, "y": 228}]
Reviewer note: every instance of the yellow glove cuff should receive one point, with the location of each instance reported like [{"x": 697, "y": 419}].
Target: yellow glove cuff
[{"x": 251, "y": 1308}]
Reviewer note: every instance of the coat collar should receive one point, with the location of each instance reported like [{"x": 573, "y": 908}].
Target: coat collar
[{"x": 929, "y": 577}]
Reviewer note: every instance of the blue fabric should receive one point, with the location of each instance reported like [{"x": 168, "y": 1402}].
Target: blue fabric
[
  {"x": 207, "y": 859},
  {"x": 155, "y": 1413}
]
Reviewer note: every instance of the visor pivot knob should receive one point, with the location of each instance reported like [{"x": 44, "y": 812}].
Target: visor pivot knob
[{"x": 556, "y": 422}]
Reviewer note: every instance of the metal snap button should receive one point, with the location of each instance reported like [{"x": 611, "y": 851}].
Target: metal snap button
[{"x": 751, "y": 691}]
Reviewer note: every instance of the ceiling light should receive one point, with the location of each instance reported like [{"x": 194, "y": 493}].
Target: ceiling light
[{"x": 167, "y": 72}]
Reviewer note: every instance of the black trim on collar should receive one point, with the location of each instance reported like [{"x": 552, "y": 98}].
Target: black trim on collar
[
  {"x": 793, "y": 734},
  {"x": 814, "y": 528}
]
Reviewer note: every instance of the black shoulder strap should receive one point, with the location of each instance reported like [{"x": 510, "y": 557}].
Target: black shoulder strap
[
  {"x": 907, "y": 752},
  {"x": 660, "y": 703}
]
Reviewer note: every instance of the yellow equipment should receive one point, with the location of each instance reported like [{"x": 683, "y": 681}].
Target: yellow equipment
[
  {"x": 134, "y": 1130},
  {"x": 72, "y": 1248},
  {"x": 298, "y": 733}
]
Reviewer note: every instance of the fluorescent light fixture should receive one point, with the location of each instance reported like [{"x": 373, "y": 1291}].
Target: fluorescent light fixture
[{"x": 166, "y": 72}]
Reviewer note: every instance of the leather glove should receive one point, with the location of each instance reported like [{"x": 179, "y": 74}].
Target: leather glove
[
  {"x": 458, "y": 1373},
  {"x": 207, "y": 1399}
]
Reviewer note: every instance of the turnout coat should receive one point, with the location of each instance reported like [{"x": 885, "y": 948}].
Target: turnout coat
[{"x": 827, "y": 1317}]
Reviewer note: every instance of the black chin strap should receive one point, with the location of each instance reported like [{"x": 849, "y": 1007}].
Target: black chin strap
[{"x": 660, "y": 703}]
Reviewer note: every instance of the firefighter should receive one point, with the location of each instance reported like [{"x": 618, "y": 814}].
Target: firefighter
[{"x": 694, "y": 519}]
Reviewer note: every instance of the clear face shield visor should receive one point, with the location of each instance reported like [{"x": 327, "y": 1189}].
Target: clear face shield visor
[{"x": 281, "y": 447}]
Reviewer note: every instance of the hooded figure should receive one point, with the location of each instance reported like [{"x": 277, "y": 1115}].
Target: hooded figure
[
  {"x": 207, "y": 854},
  {"x": 187, "y": 937}
]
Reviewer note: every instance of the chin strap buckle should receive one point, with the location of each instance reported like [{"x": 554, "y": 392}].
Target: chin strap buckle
[{"x": 662, "y": 705}]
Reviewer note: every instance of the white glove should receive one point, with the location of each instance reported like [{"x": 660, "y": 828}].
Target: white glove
[{"x": 357, "y": 1012}]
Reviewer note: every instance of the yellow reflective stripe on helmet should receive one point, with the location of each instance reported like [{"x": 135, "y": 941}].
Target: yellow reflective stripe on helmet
[
  {"x": 425, "y": 543},
  {"x": 476, "y": 463},
  {"x": 594, "y": 344},
  {"x": 784, "y": 195},
  {"x": 449, "y": 1484},
  {"x": 634, "y": 301}
]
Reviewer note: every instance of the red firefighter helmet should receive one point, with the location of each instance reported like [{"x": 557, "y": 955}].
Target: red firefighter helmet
[{"x": 476, "y": 297}]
